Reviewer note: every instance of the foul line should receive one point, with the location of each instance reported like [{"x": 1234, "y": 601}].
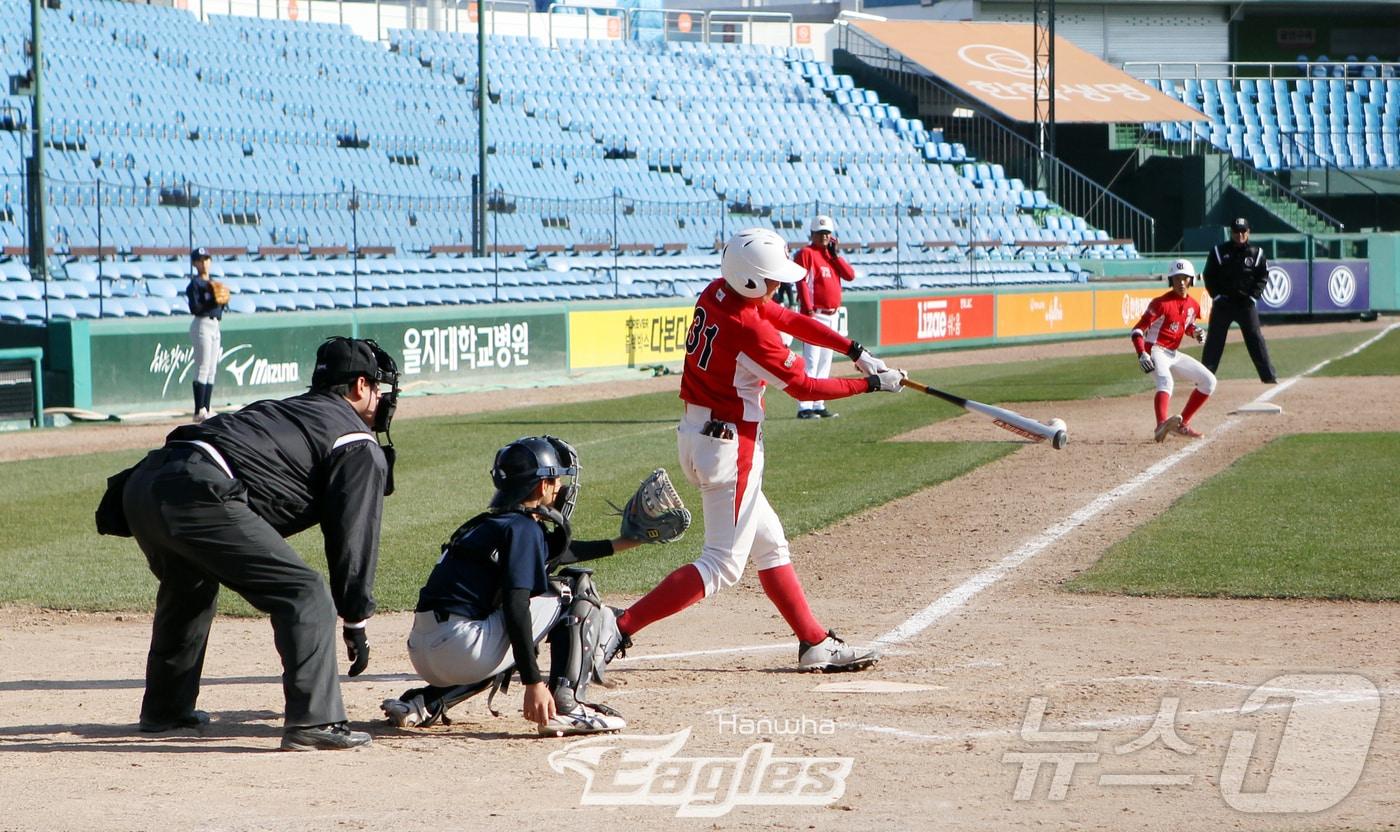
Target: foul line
[{"x": 961, "y": 595}]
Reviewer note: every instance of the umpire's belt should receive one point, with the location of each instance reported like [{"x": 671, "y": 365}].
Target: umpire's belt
[{"x": 209, "y": 451}]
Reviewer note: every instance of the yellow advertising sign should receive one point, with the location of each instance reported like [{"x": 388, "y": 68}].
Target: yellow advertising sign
[
  {"x": 1044, "y": 313},
  {"x": 628, "y": 337},
  {"x": 1119, "y": 309}
]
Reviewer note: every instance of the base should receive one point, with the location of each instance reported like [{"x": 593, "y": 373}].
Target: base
[{"x": 1257, "y": 409}]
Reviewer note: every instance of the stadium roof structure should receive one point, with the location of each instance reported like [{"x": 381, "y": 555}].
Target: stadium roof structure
[{"x": 992, "y": 63}]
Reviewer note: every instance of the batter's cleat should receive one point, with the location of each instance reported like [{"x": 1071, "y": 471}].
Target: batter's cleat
[
  {"x": 832, "y": 655},
  {"x": 826, "y": 414},
  {"x": 409, "y": 713},
  {"x": 1189, "y": 432},
  {"x": 583, "y": 719},
  {"x": 193, "y": 719},
  {"x": 1168, "y": 425},
  {"x": 336, "y": 736},
  {"x": 614, "y": 642},
  {"x": 807, "y": 414}
]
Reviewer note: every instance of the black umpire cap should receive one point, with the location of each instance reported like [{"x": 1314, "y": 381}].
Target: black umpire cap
[
  {"x": 1240, "y": 224},
  {"x": 200, "y": 253},
  {"x": 341, "y": 359}
]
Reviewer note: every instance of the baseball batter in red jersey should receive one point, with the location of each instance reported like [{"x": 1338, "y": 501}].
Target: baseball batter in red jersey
[
  {"x": 733, "y": 352},
  {"x": 1157, "y": 339},
  {"x": 819, "y": 297}
]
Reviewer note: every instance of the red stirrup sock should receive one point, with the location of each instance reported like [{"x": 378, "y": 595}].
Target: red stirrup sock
[
  {"x": 1162, "y": 401},
  {"x": 677, "y": 591},
  {"x": 1192, "y": 405},
  {"x": 785, "y": 591}
]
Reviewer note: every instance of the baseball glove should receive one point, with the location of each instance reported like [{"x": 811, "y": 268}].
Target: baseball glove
[
  {"x": 221, "y": 293},
  {"x": 655, "y": 513}
]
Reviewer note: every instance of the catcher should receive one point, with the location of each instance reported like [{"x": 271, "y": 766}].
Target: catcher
[
  {"x": 207, "y": 299},
  {"x": 491, "y": 598}
]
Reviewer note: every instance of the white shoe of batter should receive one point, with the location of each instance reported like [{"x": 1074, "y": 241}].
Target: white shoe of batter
[{"x": 831, "y": 654}]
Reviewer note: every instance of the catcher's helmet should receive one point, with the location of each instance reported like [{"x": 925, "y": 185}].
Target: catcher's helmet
[
  {"x": 1182, "y": 267},
  {"x": 520, "y": 465},
  {"x": 753, "y": 256}
]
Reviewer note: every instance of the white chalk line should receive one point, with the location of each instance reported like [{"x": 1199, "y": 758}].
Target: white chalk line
[{"x": 961, "y": 595}]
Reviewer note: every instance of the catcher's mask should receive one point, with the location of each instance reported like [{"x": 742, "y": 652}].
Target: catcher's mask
[{"x": 521, "y": 465}]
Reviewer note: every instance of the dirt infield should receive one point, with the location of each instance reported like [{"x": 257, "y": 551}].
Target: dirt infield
[{"x": 966, "y": 575}]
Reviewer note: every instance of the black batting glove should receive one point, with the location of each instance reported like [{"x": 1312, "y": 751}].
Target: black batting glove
[{"x": 356, "y": 648}]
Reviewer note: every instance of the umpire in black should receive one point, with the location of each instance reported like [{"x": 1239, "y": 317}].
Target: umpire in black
[
  {"x": 1236, "y": 273},
  {"x": 213, "y": 506}
]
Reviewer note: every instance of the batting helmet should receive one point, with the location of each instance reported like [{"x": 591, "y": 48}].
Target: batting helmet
[
  {"x": 753, "y": 256},
  {"x": 521, "y": 465},
  {"x": 1183, "y": 267}
]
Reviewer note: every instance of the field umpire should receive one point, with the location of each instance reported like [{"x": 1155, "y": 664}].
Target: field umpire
[
  {"x": 213, "y": 506},
  {"x": 1236, "y": 273}
]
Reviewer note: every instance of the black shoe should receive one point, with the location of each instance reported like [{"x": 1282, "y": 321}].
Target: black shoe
[
  {"x": 1269, "y": 380},
  {"x": 334, "y": 737},
  {"x": 807, "y": 414},
  {"x": 826, "y": 414},
  {"x": 193, "y": 719}
]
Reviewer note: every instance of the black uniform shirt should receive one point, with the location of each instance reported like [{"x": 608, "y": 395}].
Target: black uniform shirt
[
  {"x": 200, "y": 294},
  {"x": 1237, "y": 271},
  {"x": 505, "y": 551},
  {"x": 305, "y": 460}
]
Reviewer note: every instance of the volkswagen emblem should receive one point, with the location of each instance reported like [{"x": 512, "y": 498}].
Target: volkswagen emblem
[
  {"x": 1341, "y": 286},
  {"x": 1278, "y": 287}
]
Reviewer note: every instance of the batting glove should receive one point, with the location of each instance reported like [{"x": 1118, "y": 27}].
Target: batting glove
[
  {"x": 1145, "y": 362},
  {"x": 356, "y": 647},
  {"x": 1199, "y": 334},
  {"x": 869, "y": 364},
  {"x": 887, "y": 380}
]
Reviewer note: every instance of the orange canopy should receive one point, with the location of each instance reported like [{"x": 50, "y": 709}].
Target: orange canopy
[{"x": 995, "y": 63}]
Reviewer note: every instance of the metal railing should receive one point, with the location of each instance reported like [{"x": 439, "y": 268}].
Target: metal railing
[
  {"x": 1255, "y": 70},
  {"x": 965, "y": 121}
]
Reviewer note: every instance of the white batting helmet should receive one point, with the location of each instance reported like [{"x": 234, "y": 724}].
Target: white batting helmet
[
  {"x": 1182, "y": 266},
  {"x": 753, "y": 256}
]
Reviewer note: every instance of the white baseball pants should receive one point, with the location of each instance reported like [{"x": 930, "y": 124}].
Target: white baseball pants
[
  {"x": 739, "y": 522},
  {"x": 464, "y": 651},
  {"x": 818, "y": 359},
  {"x": 1167, "y": 362},
  {"x": 208, "y": 349}
]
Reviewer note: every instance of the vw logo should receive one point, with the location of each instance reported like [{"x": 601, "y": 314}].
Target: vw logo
[
  {"x": 1277, "y": 288},
  {"x": 1341, "y": 286}
]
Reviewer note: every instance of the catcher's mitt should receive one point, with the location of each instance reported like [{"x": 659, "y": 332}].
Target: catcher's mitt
[
  {"x": 221, "y": 293},
  {"x": 655, "y": 513}
]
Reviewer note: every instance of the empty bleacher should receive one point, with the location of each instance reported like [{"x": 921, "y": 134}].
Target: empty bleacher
[{"x": 328, "y": 171}]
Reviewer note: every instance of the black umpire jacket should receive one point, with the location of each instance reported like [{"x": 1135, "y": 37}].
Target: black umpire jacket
[
  {"x": 1236, "y": 271},
  {"x": 305, "y": 460}
]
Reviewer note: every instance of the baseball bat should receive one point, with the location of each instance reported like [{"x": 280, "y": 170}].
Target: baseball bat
[{"x": 1005, "y": 419}]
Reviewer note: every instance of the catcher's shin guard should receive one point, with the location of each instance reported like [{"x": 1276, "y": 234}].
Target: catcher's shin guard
[
  {"x": 577, "y": 644},
  {"x": 425, "y": 706}
]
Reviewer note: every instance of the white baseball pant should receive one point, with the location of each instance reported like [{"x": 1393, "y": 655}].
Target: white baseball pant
[
  {"x": 739, "y": 522},
  {"x": 1166, "y": 362},
  {"x": 464, "y": 651},
  {"x": 818, "y": 359},
  {"x": 208, "y": 349}
]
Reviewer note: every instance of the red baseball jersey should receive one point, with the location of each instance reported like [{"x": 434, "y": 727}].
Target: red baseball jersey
[
  {"x": 733, "y": 351},
  {"x": 821, "y": 288},
  {"x": 1167, "y": 320}
]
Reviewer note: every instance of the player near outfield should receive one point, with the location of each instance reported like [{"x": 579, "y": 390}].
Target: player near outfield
[
  {"x": 1157, "y": 338},
  {"x": 733, "y": 351}
]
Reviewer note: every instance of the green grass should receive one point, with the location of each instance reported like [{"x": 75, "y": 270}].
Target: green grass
[
  {"x": 1307, "y": 516},
  {"x": 818, "y": 472},
  {"x": 1380, "y": 359}
]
